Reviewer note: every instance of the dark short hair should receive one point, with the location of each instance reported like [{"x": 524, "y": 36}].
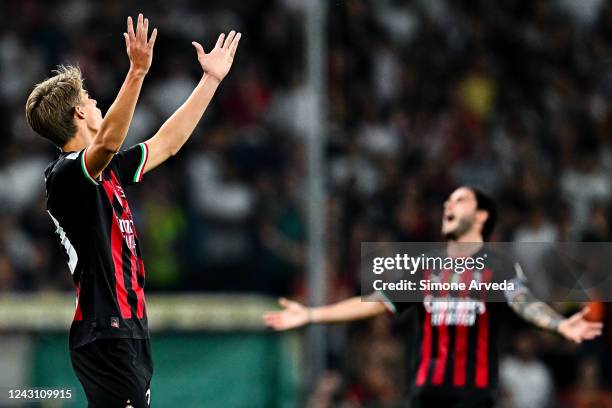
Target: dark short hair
[{"x": 486, "y": 203}]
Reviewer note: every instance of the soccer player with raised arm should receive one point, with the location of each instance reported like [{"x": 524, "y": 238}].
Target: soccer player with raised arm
[
  {"x": 456, "y": 365},
  {"x": 86, "y": 200}
]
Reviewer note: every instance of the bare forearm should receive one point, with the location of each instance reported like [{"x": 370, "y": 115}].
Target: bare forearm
[
  {"x": 115, "y": 125},
  {"x": 535, "y": 311},
  {"x": 347, "y": 310},
  {"x": 178, "y": 128}
]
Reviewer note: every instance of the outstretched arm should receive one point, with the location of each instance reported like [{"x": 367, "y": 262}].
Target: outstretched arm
[
  {"x": 575, "y": 328},
  {"x": 114, "y": 126},
  {"x": 295, "y": 314},
  {"x": 176, "y": 130}
]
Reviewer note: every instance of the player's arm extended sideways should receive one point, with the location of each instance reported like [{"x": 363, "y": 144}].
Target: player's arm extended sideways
[
  {"x": 575, "y": 328},
  {"x": 535, "y": 311},
  {"x": 114, "y": 126},
  {"x": 176, "y": 130},
  {"x": 295, "y": 314},
  {"x": 354, "y": 308}
]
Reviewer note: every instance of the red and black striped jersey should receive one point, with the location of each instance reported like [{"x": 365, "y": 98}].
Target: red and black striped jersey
[
  {"x": 94, "y": 224},
  {"x": 453, "y": 341}
]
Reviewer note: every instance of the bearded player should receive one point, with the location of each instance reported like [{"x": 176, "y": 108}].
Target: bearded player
[
  {"x": 456, "y": 364},
  {"x": 109, "y": 337}
]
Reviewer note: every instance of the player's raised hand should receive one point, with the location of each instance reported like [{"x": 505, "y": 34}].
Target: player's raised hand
[
  {"x": 138, "y": 44},
  {"x": 218, "y": 61},
  {"x": 576, "y": 328},
  {"x": 293, "y": 315}
]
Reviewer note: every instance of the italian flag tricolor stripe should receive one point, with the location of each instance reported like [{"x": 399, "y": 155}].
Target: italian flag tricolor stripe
[
  {"x": 84, "y": 167},
  {"x": 388, "y": 303},
  {"x": 143, "y": 161}
]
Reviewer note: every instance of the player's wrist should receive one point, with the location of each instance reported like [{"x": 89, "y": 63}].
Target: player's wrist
[
  {"x": 309, "y": 316},
  {"x": 212, "y": 78},
  {"x": 137, "y": 72},
  {"x": 559, "y": 326}
]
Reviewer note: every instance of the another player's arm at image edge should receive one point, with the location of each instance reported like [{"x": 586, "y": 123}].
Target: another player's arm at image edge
[
  {"x": 175, "y": 132},
  {"x": 115, "y": 125}
]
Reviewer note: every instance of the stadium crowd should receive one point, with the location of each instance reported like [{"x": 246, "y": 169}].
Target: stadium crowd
[{"x": 424, "y": 95}]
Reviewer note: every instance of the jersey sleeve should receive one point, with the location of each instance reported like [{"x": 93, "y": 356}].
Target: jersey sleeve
[
  {"x": 519, "y": 282},
  {"x": 130, "y": 163},
  {"x": 69, "y": 184},
  {"x": 393, "y": 306},
  {"x": 71, "y": 175}
]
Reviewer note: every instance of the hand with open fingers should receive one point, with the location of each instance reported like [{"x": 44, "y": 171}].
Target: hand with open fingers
[
  {"x": 293, "y": 315},
  {"x": 218, "y": 61},
  {"x": 576, "y": 328},
  {"x": 138, "y": 44}
]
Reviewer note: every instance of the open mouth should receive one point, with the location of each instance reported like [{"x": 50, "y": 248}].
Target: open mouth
[{"x": 449, "y": 218}]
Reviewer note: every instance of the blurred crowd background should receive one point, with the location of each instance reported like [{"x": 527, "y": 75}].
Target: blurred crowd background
[{"x": 512, "y": 96}]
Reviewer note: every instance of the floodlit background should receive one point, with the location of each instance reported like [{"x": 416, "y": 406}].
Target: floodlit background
[{"x": 420, "y": 96}]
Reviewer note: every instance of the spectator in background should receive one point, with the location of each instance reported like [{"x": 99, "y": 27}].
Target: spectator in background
[
  {"x": 165, "y": 228},
  {"x": 584, "y": 184},
  {"x": 525, "y": 381},
  {"x": 588, "y": 391},
  {"x": 597, "y": 228},
  {"x": 7, "y": 274},
  {"x": 537, "y": 227}
]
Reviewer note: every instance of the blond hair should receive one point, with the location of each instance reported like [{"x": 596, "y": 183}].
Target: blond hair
[{"x": 49, "y": 108}]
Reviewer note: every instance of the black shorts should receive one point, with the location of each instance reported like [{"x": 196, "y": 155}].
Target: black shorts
[
  {"x": 115, "y": 372},
  {"x": 431, "y": 400}
]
